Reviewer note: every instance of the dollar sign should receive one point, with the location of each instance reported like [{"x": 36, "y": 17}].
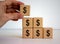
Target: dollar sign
[
  {"x": 24, "y": 10},
  {"x": 38, "y": 23},
  {"x": 27, "y": 22},
  {"x": 27, "y": 33},
  {"x": 38, "y": 34},
  {"x": 48, "y": 33}
]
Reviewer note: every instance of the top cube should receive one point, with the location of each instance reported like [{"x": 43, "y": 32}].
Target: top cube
[{"x": 25, "y": 10}]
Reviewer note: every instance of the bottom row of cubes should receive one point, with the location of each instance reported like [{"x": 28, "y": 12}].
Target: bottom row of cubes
[{"x": 37, "y": 32}]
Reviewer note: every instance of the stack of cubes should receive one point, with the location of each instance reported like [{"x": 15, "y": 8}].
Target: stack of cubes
[{"x": 33, "y": 27}]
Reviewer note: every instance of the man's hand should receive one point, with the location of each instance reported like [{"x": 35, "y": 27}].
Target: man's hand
[
  {"x": 9, "y": 10},
  {"x": 13, "y": 9}
]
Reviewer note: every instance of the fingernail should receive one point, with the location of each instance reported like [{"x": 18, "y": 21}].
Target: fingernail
[{"x": 17, "y": 11}]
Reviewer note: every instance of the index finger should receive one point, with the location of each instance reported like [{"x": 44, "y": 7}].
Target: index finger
[{"x": 19, "y": 2}]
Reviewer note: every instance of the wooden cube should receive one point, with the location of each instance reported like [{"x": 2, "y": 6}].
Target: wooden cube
[
  {"x": 38, "y": 32},
  {"x": 25, "y": 10},
  {"x": 27, "y": 22},
  {"x": 48, "y": 33},
  {"x": 38, "y": 22},
  {"x": 27, "y": 32}
]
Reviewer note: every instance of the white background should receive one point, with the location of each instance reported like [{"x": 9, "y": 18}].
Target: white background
[{"x": 49, "y": 10}]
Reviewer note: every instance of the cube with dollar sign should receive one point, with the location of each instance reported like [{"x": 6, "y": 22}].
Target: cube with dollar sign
[
  {"x": 38, "y": 22},
  {"x": 27, "y": 32},
  {"x": 48, "y": 33},
  {"x": 25, "y": 10},
  {"x": 38, "y": 32},
  {"x": 27, "y": 22}
]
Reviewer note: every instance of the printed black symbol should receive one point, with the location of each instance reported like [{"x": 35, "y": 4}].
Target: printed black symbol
[
  {"x": 27, "y": 22},
  {"x": 48, "y": 33},
  {"x": 38, "y": 23},
  {"x": 24, "y": 10},
  {"x": 27, "y": 33},
  {"x": 38, "y": 33}
]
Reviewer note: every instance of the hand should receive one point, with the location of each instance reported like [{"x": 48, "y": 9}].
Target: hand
[
  {"x": 13, "y": 7},
  {"x": 10, "y": 10}
]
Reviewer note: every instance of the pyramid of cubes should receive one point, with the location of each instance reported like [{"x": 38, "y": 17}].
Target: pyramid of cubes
[{"x": 32, "y": 27}]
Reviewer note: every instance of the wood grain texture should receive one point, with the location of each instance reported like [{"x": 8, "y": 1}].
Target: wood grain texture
[{"x": 25, "y": 10}]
